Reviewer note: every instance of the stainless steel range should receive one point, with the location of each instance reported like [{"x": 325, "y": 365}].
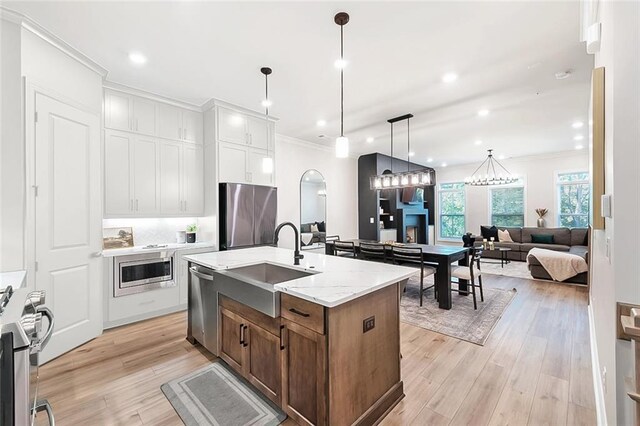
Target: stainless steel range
[{"x": 26, "y": 326}]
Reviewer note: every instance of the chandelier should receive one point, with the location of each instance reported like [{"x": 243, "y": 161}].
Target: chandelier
[
  {"x": 408, "y": 179},
  {"x": 492, "y": 175}
]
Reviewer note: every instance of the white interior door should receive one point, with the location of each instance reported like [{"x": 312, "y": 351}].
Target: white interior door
[{"x": 68, "y": 222}]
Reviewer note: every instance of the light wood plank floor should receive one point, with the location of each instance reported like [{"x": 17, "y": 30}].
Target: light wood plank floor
[{"x": 534, "y": 369}]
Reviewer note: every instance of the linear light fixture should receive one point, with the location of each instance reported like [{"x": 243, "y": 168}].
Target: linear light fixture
[{"x": 406, "y": 179}]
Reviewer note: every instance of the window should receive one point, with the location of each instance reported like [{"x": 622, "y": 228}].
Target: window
[
  {"x": 451, "y": 204},
  {"x": 574, "y": 193},
  {"x": 507, "y": 206}
]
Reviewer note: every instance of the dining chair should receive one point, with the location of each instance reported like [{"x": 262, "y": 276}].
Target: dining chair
[
  {"x": 344, "y": 248},
  {"x": 373, "y": 251},
  {"x": 414, "y": 255},
  {"x": 470, "y": 273},
  {"x": 329, "y": 240}
]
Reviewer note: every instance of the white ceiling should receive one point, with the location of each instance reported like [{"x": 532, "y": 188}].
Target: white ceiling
[{"x": 505, "y": 53}]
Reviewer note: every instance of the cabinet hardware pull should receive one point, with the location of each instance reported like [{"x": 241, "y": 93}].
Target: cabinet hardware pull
[
  {"x": 131, "y": 207},
  {"x": 281, "y": 338},
  {"x": 136, "y": 204},
  {"x": 244, "y": 342},
  {"x": 297, "y": 312},
  {"x": 242, "y": 334}
]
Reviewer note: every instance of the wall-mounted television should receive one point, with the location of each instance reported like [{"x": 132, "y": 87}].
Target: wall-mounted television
[{"x": 412, "y": 195}]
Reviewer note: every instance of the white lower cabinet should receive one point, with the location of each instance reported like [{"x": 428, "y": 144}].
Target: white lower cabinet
[{"x": 242, "y": 164}]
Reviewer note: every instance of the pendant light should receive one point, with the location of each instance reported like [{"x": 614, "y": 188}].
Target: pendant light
[
  {"x": 342, "y": 142},
  {"x": 267, "y": 162},
  {"x": 408, "y": 179},
  {"x": 491, "y": 175}
]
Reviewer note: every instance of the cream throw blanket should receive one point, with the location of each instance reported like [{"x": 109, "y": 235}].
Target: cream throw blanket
[{"x": 561, "y": 266}]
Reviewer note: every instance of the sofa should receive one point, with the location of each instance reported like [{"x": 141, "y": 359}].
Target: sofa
[
  {"x": 570, "y": 240},
  {"x": 319, "y": 236}
]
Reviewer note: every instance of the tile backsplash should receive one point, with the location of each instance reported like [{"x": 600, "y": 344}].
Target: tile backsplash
[{"x": 153, "y": 230}]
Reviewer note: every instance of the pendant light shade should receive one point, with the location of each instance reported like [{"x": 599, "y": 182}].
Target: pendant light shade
[
  {"x": 267, "y": 162},
  {"x": 342, "y": 142}
]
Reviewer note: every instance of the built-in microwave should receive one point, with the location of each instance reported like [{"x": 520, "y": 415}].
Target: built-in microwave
[{"x": 143, "y": 272}]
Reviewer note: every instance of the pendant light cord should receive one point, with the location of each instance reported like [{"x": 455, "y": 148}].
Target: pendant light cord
[
  {"x": 408, "y": 144},
  {"x": 342, "y": 81},
  {"x": 266, "y": 108}
]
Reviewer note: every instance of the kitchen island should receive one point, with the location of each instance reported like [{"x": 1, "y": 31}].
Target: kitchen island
[{"x": 321, "y": 340}]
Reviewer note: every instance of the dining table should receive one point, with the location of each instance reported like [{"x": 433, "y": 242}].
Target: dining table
[{"x": 440, "y": 256}]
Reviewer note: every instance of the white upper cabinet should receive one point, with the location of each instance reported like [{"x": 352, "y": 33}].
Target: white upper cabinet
[
  {"x": 117, "y": 110},
  {"x": 144, "y": 116},
  {"x": 145, "y": 175},
  {"x": 171, "y": 177},
  {"x": 169, "y": 122},
  {"x": 256, "y": 174},
  {"x": 193, "y": 179},
  {"x": 233, "y": 164},
  {"x": 260, "y": 133},
  {"x": 118, "y": 192},
  {"x": 192, "y": 126},
  {"x": 232, "y": 127}
]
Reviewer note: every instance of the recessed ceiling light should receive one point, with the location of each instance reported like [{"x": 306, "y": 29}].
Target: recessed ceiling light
[
  {"x": 340, "y": 63},
  {"x": 137, "y": 58},
  {"x": 579, "y": 147},
  {"x": 443, "y": 164},
  {"x": 321, "y": 123},
  {"x": 478, "y": 142},
  {"x": 411, "y": 154},
  {"x": 369, "y": 139},
  {"x": 577, "y": 124},
  {"x": 578, "y": 137},
  {"x": 449, "y": 77},
  {"x": 429, "y": 160},
  {"x": 483, "y": 112}
]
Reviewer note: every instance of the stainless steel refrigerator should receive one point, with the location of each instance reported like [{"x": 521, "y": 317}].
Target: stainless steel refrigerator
[{"x": 247, "y": 215}]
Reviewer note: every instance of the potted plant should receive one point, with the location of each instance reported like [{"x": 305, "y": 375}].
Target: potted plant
[
  {"x": 541, "y": 213},
  {"x": 191, "y": 233}
]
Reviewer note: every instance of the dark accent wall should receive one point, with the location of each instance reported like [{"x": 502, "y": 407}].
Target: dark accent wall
[{"x": 369, "y": 200}]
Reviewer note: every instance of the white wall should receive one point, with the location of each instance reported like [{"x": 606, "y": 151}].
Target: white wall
[
  {"x": 615, "y": 277},
  {"x": 539, "y": 174},
  {"x": 12, "y": 177},
  {"x": 293, "y": 158}
]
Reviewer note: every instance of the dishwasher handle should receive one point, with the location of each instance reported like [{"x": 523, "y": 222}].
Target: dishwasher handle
[{"x": 200, "y": 275}]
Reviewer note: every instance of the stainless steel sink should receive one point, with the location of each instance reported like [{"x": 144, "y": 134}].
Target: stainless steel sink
[{"x": 268, "y": 273}]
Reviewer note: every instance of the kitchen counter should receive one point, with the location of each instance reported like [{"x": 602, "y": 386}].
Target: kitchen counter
[
  {"x": 140, "y": 249},
  {"x": 337, "y": 280},
  {"x": 15, "y": 279}
]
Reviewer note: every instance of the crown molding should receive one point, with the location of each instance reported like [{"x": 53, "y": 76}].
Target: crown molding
[
  {"x": 306, "y": 144},
  {"x": 55, "y": 41},
  {"x": 150, "y": 95},
  {"x": 213, "y": 102},
  {"x": 525, "y": 158}
]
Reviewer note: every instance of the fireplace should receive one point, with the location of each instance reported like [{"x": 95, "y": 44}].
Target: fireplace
[{"x": 412, "y": 234}]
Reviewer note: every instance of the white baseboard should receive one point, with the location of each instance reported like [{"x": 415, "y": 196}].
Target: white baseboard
[
  {"x": 130, "y": 320},
  {"x": 601, "y": 412}
]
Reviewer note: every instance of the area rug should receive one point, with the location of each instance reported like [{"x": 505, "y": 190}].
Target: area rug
[
  {"x": 216, "y": 395},
  {"x": 512, "y": 269},
  {"x": 461, "y": 321}
]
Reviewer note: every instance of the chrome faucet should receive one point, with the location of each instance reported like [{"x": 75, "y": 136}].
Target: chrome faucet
[{"x": 296, "y": 255}]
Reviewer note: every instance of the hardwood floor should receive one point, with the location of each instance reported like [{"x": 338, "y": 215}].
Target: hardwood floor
[{"x": 535, "y": 368}]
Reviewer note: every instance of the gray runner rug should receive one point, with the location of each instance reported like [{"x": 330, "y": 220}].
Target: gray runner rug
[
  {"x": 216, "y": 395},
  {"x": 461, "y": 321}
]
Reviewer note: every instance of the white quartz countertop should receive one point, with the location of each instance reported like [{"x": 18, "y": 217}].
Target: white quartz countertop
[
  {"x": 338, "y": 280},
  {"x": 15, "y": 279},
  {"x": 140, "y": 249}
]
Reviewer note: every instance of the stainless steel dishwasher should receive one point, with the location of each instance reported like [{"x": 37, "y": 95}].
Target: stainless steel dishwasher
[{"x": 203, "y": 308}]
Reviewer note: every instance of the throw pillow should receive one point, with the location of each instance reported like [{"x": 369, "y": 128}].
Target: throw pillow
[
  {"x": 305, "y": 228},
  {"x": 542, "y": 238},
  {"x": 504, "y": 236},
  {"x": 321, "y": 226},
  {"x": 314, "y": 227},
  {"x": 488, "y": 232}
]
